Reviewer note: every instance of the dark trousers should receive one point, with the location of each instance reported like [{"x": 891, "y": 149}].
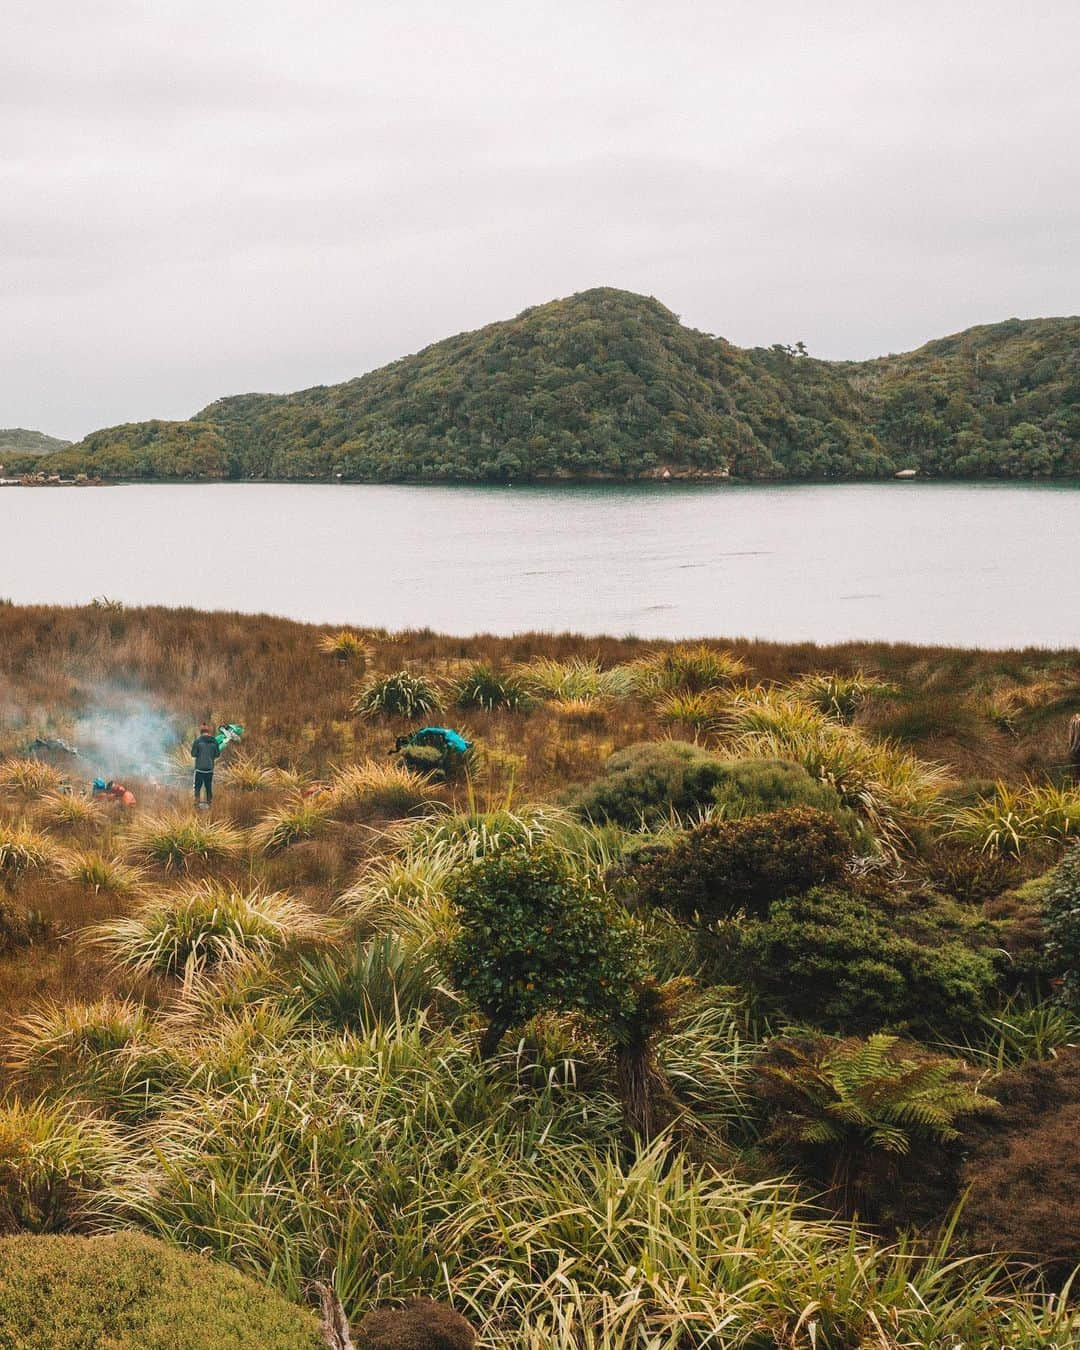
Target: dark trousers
[{"x": 204, "y": 781}]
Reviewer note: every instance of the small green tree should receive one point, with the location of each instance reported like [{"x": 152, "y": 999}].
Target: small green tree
[{"x": 535, "y": 935}]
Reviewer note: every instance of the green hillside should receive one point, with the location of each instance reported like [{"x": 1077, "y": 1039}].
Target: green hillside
[
  {"x": 19, "y": 441},
  {"x": 610, "y": 384}
]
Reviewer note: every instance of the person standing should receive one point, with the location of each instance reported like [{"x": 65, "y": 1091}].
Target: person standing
[{"x": 204, "y": 751}]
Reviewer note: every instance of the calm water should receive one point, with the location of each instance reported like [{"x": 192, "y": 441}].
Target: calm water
[{"x": 987, "y": 565}]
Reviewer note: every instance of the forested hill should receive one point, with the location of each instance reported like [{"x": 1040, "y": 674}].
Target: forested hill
[
  {"x": 19, "y": 441},
  {"x": 610, "y": 384}
]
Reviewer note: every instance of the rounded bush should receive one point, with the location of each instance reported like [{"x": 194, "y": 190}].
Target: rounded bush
[
  {"x": 645, "y": 783},
  {"x": 844, "y": 963},
  {"x": 728, "y": 865}
]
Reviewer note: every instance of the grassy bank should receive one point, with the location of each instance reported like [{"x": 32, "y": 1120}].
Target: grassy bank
[{"x": 684, "y": 1014}]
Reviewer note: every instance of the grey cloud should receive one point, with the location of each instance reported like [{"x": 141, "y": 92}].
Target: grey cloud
[{"x": 197, "y": 199}]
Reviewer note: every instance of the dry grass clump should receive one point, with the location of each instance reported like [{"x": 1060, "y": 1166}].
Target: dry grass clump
[
  {"x": 178, "y": 841},
  {"x": 686, "y": 669},
  {"x": 347, "y": 647},
  {"x": 244, "y": 774},
  {"x": 69, "y": 812},
  {"x": 23, "y": 850},
  {"x": 28, "y": 778},
  {"x": 98, "y": 873},
  {"x": 575, "y": 678},
  {"x": 205, "y": 926},
  {"x": 57, "y": 1041},
  {"x": 297, "y": 819},
  {"x": 582, "y": 714},
  {"x": 53, "y": 1166},
  {"x": 375, "y": 788}
]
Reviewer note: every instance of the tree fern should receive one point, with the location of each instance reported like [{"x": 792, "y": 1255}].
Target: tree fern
[{"x": 845, "y": 1107}]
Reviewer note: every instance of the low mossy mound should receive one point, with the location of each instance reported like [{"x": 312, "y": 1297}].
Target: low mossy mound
[{"x": 125, "y": 1291}]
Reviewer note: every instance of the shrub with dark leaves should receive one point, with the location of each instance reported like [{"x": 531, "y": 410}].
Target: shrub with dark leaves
[
  {"x": 844, "y": 962},
  {"x": 725, "y": 866}
]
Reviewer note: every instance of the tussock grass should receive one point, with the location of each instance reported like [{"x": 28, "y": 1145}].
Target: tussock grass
[
  {"x": 204, "y": 926},
  {"x": 890, "y": 787},
  {"x": 53, "y": 1166},
  {"x": 694, "y": 713},
  {"x": 402, "y": 694},
  {"x": 347, "y": 647},
  {"x": 58, "y": 1041},
  {"x": 28, "y": 778},
  {"x": 178, "y": 841},
  {"x": 1018, "y": 820},
  {"x": 98, "y": 873},
  {"x": 574, "y": 679},
  {"x": 297, "y": 819},
  {"x": 583, "y": 714},
  {"x": 24, "y": 851},
  {"x": 244, "y": 774},
  {"x": 69, "y": 812},
  {"x": 836, "y": 695},
  {"x": 374, "y": 787},
  {"x": 481, "y": 686},
  {"x": 686, "y": 669}
]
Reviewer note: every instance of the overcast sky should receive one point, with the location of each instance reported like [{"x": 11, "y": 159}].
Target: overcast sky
[{"x": 199, "y": 199}]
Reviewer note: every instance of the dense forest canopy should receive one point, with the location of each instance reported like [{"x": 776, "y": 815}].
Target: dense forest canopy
[{"x": 611, "y": 384}]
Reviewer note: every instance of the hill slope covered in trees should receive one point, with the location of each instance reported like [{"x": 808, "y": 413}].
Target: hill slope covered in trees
[
  {"x": 610, "y": 384},
  {"x": 17, "y": 440}
]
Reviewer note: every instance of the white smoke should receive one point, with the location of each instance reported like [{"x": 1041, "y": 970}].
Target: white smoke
[{"x": 123, "y": 733}]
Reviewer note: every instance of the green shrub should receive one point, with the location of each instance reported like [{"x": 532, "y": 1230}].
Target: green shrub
[
  {"x": 1061, "y": 898},
  {"x": 724, "y": 866},
  {"x": 847, "y": 1111},
  {"x": 402, "y": 694},
  {"x": 533, "y": 936},
  {"x": 643, "y": 784},
  {"x": 480, "y": 686},
  {"x": 750, "y": 786},
  {"x": 124, "y": 1291},
  {"x": 846, "y": 963}
]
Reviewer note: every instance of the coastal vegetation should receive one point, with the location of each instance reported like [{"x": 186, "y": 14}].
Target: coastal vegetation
[
  {"x": 752, "y": 1029},
  {"x": 608, "y": 384}
]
